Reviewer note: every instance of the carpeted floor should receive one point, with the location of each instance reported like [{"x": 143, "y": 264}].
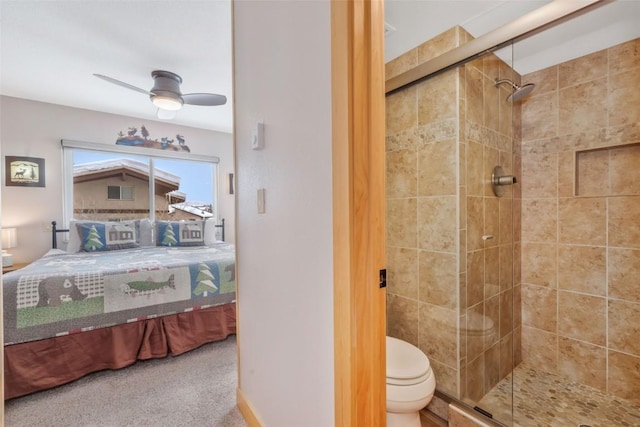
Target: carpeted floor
[{"x": 195, "y": 388}]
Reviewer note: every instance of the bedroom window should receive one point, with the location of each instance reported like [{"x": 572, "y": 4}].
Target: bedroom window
[
  {"x": 116, "y": 192},
  {"x": 166, "y": 185}
]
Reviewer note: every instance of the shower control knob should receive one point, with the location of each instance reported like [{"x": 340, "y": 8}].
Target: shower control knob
[
  {"x": 505, "y": 180},
  {"x": 499, "y": 180}
]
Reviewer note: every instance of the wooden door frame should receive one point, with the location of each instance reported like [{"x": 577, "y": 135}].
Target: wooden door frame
[{"x": 358, "y": 123}]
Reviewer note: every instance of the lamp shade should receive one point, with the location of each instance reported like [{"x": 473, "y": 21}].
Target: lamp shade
[
  {"x": 170, "y": 103},
  {"x": 9, "y": 238}
]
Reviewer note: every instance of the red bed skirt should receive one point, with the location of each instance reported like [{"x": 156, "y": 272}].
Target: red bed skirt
[{"x": 39, "y": 365}]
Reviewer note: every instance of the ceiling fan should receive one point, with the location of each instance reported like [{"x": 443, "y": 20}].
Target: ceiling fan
[{"x": 165, "y": 93}]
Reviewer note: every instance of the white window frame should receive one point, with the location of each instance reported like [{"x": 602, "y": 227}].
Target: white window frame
[{"x": 67, "y": 170}]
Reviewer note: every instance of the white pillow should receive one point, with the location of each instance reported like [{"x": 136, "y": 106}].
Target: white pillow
[
  {"x": 210, "y": 232},
  {"x": 146, "y": 233},
  {"x": 74, "y": 237}
]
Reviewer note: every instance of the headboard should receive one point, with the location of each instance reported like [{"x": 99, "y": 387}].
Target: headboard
[
  {"x": 54, "y": 234},
  {"x": 55, "y": 231},
  {"x": 221, "y": 226}
]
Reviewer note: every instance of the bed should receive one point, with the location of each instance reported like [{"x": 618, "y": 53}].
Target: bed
[{"x": 106, "y": 306}]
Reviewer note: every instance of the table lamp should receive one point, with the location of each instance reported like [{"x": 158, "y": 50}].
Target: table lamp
[{"x": 9, "y": 240}]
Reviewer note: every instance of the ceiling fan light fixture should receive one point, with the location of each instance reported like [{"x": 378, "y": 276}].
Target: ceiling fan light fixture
[
  {"x": 166, "y": 95},
  {"x": 167, "y": 102}
]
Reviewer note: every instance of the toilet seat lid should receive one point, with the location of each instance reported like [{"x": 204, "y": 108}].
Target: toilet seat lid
[
  {"x": 478, "y": 323},
  {"x": 405, "y": 361}
]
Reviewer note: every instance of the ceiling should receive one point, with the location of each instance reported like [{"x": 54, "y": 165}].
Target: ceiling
[
  {"x": 606, "y": 24},
  {"x": 50, "y": 49}
]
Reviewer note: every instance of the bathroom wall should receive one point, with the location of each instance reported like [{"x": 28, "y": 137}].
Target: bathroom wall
[
  {"x": 571, "y": 223},
  {"x": 422, "y": 211},
  {"x": 449, "y": 291},
  {"x": 580, "y": 220},
  {"x": 489, "y": 128}
]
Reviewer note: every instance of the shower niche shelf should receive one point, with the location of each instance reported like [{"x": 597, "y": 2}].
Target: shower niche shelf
[{"x": 608, "y": 171}]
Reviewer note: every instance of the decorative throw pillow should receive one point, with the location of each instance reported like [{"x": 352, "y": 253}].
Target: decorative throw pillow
[
  {"x": 108, "y": 236},
  {"x": 179, "y": 233},
  {"x": 210, "y": 232}
]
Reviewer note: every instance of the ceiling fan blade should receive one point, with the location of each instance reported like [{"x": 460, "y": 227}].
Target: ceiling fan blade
[
  {"x": 165, "y": 114},
  {"x": 123, "y": 84},
  {"x": 205, "y": 99}
]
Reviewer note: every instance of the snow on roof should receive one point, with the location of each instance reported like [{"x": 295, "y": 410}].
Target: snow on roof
[
  {"x": 90, "y": 167},
  {"x": 193, "y": 208},
  {"x": 177, "y": 193}
]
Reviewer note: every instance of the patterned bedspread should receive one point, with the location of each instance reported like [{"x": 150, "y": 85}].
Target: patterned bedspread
[{"x": 63, "y": 293}]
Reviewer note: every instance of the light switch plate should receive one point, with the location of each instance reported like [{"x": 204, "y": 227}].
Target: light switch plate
[{"x": 261, "y": 194}]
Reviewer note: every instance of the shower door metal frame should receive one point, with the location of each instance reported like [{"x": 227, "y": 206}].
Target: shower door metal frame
[{"x": 547, "y": 15}]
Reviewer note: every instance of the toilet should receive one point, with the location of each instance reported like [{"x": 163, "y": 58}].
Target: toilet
[
  {"x": 479, "y": 326},
  {"x": 410, "y": 383}
]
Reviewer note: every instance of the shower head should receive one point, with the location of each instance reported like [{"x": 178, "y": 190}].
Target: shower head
[{"x": 519, "y": 92}]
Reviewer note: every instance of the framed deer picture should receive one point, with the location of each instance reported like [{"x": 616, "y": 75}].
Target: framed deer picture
[{"x": 24, "y": 171}]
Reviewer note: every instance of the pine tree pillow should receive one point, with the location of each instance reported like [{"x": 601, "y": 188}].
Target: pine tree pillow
[
  {"x": 179, "y": 233},
  {"x": 108, "y": 236}
]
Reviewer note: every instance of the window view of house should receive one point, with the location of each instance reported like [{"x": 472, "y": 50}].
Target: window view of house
[
  {"x": 115, "y": 187},
  {"x": 195, "y": 196}
]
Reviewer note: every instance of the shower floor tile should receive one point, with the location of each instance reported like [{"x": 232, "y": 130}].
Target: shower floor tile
[{"x": 549, "y": 400}]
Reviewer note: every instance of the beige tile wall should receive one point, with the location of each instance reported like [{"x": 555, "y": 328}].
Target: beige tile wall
[
  {"x": 487, "y": 322},
  {"x": 422, "y": 207},
  {"x": 581, "y": 220},
  {"x": 570, "y": 300},
  {"x": 451, "y": 292}
]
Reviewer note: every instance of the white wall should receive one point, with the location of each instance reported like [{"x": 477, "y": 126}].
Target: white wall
[
  {"x": 285, "y": 270},
  {"x": 30, "y": 128}
]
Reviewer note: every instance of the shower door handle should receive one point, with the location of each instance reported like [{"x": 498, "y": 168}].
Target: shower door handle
[{"x": 383, "y": 278}]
